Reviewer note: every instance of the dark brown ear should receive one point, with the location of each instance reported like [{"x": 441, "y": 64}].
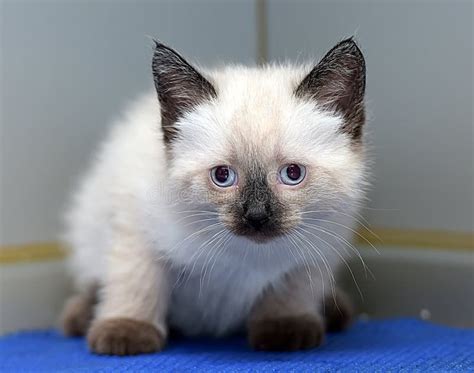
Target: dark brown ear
[
  {"x": 180, "y": 87},
  {"x": 337, "y": 83}
]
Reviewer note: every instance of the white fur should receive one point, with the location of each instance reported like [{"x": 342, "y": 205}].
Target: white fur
[{"x": 126, "y": 226}]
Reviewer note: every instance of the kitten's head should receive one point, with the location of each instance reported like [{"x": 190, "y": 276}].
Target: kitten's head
[{"x": 262, "y": 146}]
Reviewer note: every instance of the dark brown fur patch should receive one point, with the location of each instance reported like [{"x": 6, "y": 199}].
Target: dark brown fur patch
[
  {"x": 256, "y": 199},
  {"x": 290, "y": 333},
  {"x": 338, "y": 312},
  {"x": 77, "y": 313},
  {"x": 122, "y": 336}
]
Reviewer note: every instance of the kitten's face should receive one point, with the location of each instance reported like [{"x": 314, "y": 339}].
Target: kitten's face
[{"x": 258, "y": 147}]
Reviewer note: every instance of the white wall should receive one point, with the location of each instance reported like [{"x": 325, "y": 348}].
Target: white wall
[
  {"x": 68, "y": 67},
  {"x": 420, "y": 94}
]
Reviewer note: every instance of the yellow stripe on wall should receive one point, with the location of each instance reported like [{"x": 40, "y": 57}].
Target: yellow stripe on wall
[
  {"x": 429, "y": 239},
  {"x": 33, "y": 252},
  {"x": 379, "y": 237}
]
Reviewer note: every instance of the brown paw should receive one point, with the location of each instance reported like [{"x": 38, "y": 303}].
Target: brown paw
[
  {"x": 77, "y": 315},
  {"x": 286, "y": 333},
  {"x": 123, "y": 336},
  {"x": 339, "y": 312}
]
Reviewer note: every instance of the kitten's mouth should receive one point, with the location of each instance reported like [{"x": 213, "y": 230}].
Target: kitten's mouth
[
  {"x": 262, "y": 238},
  {"x": 259, "y": 238},
  {"x": 261, "y": 234}
]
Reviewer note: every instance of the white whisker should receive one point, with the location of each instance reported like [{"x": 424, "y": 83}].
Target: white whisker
[
  {"x": 341, "y": 238},
  {"x": 341, "y": 257},
  {"x": 348, "y": 228}
]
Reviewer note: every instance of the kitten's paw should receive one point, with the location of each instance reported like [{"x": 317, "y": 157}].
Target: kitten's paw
[
  {"x": 339, "y": 312},
  {"x": 77, "y": 315},
  {"x": 122, "y": 336},
  {"x": 286, "y": 333}
]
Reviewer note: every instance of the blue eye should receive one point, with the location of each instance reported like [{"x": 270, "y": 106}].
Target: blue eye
[
  {"x": 292, "y": 174},
  {"x": 223, "y": 176}
]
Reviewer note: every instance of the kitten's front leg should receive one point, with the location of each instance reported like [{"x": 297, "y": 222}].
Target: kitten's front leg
[
  {"x": 133, "y": 302},
  {"x": 288, "y": 316}
]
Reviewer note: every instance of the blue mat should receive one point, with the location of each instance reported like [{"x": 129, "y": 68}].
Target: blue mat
[{"x": 391, "y": 345}]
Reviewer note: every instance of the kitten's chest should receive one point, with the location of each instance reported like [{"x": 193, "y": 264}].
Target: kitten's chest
[{"x": 216, "y": 301}]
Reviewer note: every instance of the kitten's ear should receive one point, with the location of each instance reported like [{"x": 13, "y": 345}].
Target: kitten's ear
[
  {"x": 180, "y": 87},
  {"x": 338, "y": 83}
]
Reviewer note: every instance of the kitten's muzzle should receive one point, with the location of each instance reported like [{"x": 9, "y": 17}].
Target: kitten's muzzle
[{"x": 257, "y": 213}]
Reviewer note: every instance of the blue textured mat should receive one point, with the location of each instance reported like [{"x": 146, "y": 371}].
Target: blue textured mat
[{"x": 392, "y": 345}]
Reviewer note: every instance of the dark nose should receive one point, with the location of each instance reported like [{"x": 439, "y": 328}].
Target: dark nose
[{"x": 256, "y": 218}]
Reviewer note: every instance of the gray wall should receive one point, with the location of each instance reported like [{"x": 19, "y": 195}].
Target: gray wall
[
  {"x": 420, "y": 97},
  {"x": 68, "y": 67}
]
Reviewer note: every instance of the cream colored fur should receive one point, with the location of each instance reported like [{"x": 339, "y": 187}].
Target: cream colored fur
[{"x": 132, "y": 229}]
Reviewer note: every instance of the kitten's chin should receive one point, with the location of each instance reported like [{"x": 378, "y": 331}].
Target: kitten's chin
[{"x": 259, "y": 238}]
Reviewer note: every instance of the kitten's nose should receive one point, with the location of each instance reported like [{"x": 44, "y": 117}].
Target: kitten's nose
[{"x": 256, "y": 218}]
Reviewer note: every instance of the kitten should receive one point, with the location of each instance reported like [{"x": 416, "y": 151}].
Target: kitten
[{"x": 222, "y": 206}]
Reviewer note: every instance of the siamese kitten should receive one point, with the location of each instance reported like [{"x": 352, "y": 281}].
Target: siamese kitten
[{"x": 222, "y": 204}]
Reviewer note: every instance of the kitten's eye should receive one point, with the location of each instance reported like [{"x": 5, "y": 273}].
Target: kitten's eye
[
  {"x": 292, "y": 174},
  {"x": 223, "y": 176}
]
